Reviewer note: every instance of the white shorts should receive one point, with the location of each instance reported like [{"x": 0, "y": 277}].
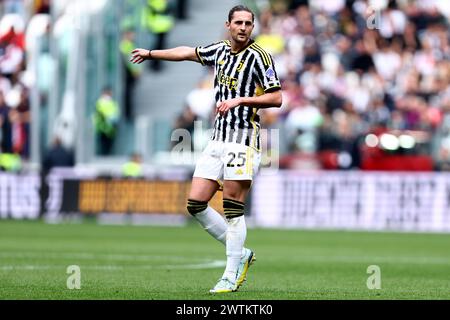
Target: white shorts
[{"x": 227, "y": 161}]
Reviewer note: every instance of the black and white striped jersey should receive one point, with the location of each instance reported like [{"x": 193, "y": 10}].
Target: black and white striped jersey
[{"x": 239, "y": 74}]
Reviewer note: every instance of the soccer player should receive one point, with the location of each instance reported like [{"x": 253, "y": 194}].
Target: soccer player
[{"x": 233, "y": 153}]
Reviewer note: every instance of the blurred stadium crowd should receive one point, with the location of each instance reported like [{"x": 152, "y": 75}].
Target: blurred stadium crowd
[
  {"x": 366, "y": 84},
  {"x": 15, "y": 83},
  {"x": 350, "y": 70},
  {"x": 29, "y": 68}
]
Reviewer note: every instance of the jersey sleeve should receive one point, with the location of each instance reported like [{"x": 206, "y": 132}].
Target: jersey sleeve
[
  {"x": 265, "y": 71},
  {"x": 207, "y": 55}
]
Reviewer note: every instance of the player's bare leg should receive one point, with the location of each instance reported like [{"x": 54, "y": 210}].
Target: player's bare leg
[
  {"x": 236, "y": 189},
  {"x": 203, "y": 189}
]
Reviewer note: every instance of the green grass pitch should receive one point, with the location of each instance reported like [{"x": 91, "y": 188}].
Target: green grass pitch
[{"x": 181, "y": 263}]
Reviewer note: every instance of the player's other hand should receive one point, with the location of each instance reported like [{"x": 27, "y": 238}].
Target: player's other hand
[
  {"x": 139, "y": 55},
  {"x": 224, "y": 106}
]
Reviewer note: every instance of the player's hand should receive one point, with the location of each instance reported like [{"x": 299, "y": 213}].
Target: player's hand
[
  {"x": 139, "y": 55},
  {"x": 224, "y": 106}
]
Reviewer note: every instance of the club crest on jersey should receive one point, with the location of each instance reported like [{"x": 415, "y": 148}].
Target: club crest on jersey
[
  {"x": 241, "y": 65},
  {"x": 270, "y": 73}
]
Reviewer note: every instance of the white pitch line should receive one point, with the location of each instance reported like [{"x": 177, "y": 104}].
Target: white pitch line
[
  {"x": 207, "y": 265},
  {"x": 91, "y": 256},
  {"x": 148, "y": 258}
]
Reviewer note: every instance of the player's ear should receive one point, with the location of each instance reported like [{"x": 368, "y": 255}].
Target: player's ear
[{"x": 227, "y": 24}]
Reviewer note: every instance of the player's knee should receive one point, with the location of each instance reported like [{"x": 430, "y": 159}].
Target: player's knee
[
  {"x": 195, "y": 206},
  {"x": 233, "y": 208}
]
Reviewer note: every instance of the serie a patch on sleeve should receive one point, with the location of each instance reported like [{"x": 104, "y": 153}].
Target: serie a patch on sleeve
[{"x": 270, "y": 73}]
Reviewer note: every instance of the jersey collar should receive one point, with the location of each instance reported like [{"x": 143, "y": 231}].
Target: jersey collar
[{"x": 243, "y": 49}]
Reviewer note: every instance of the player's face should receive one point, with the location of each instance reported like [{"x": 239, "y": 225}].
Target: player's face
[{"x": 241, "y": 26}]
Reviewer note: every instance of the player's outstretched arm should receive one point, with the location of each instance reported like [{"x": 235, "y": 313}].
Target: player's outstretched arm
[{"x": 175, "y": 54}]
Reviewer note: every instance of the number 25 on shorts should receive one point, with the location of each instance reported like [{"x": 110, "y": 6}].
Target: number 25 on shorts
[{"x": 240, "y": 161}]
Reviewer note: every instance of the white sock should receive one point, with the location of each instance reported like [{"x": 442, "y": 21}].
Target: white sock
[
  {"x": 236, "y": 234},
  {"x": 215, "y": 225}
]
